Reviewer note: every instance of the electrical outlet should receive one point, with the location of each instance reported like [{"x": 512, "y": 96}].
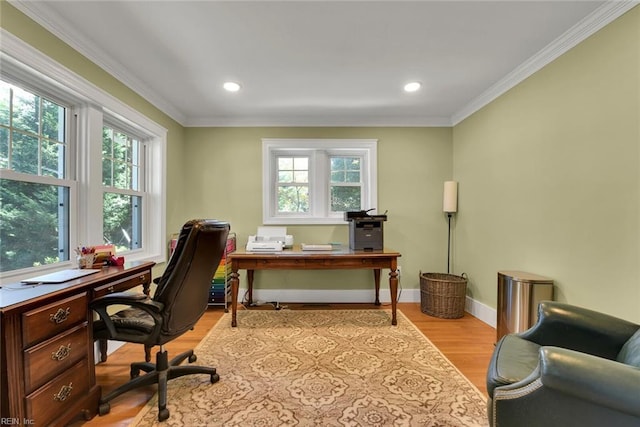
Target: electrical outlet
[{"x": 399, "y": 271}]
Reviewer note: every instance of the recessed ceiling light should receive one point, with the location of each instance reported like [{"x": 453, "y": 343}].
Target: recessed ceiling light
[
  {"x": 412, "y": 87},
  {"x": 231, "y": 86}
]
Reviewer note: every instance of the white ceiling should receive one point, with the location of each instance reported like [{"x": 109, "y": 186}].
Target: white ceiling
[{"x": 321, "y": 63}]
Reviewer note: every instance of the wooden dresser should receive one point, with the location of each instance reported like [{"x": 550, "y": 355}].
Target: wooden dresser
[{"x": 47, "y": 351}]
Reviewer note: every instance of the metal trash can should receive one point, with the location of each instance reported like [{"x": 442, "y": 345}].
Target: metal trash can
[{"x": 519, "y": 294}]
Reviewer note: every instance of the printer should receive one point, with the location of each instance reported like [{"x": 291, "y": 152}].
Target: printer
[
  {"x": 269, "y": 239},
  {"x": 365, "y": 230}
]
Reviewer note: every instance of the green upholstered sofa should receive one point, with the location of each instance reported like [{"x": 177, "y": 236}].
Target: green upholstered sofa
[{"x": 574, "y": 367}]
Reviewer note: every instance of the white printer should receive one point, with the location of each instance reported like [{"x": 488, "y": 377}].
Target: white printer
[{"x": 270, "y": 239}]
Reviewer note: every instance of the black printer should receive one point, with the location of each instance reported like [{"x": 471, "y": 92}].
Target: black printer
[{"x": 365, "y": 231}]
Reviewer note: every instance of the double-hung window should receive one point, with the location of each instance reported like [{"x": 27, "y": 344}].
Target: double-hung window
[
  {"x": 123, "y": 188},
  {"x": 77, "y": 168},
  {"x": 314, "y": 181},
  {"x": 35, "y": 188}
]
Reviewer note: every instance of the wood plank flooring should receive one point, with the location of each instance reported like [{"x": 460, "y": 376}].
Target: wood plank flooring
[{"x": 467, "y": 342}]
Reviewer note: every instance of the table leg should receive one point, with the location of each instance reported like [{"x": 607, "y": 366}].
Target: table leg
[
  {"x": 376, "y": 278},
  {"x": 234, "y": 296},
  {"x": 250, "y": 287},
  {"x": 393, "y": 288}
]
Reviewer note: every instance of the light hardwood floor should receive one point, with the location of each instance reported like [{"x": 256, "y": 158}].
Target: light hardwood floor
[{"x": 467, "y": 342}]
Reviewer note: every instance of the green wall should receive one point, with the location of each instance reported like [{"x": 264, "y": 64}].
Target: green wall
[
  {"x": 549, "y": 177},
  {"x": 224, "y": 172}
]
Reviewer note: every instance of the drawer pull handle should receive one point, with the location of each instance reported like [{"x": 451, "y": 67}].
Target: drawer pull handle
[
  {"x": 60, "y": 316},
  {"x": 62, "y": 353},
  {"x": 65, "y": 391}
]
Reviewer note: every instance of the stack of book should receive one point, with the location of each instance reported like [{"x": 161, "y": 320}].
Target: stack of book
[{"x": 219, "y": 291}]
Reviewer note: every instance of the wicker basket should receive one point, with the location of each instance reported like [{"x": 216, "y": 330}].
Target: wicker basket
[{"x": 443, "y": 295}]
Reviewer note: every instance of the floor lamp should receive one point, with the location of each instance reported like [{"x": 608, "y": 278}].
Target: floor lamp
[{"x": 450, "y": 206}]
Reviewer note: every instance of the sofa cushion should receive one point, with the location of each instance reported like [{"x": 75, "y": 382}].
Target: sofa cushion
[
  {"x": 513, "y": 360},
  {"x": 630, "y": 353}
]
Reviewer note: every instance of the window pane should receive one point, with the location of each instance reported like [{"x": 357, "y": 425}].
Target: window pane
[
  {"x": 35, "y": 224},
  {"x": 120, "y": 160},
  {"x": 301, "y": 177},
  {"x": 345, "y": 169},
  {"x": 25, "y": 110},
  {"x": 4, "y": 148},
  {"x": 293, "y": 199},
  {"x": 293, "y": 169},
  {"x": 301, "y": 163},
  {"x": 345, "y": 198},
  {"x": 52, "y": 120},
  {"x": 107, "y": 175},
  {"x": 52, "y": 159},
  {"x": 285, "y": 163},
  {"x": 285, "y": 176},
  {"x": 122, "y": 221},
  {"x": 24, "y": 153}
]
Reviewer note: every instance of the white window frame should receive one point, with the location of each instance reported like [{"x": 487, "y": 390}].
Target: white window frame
[
  {"x": 319, "y": 152},
  {"x": 91, "y": 105}
]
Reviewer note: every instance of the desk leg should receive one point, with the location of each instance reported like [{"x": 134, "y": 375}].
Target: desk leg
[
  {"x": 250, "y": 286},
  {"x": 393, "y": 288},
  {"x": 376, "y": 278},
  {"x": 234, "y": 296}
]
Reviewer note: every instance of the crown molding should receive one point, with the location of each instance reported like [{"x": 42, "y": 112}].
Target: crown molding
[
  {"x": 54, "y": 23},
  {"x": 591, "y": 24},
  {"x": 318, "y": 121}
]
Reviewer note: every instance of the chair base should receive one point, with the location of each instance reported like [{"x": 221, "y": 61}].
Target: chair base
[{"x": 159, "y": 373}]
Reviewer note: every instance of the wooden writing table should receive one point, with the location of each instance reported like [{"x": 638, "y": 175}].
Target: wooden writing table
[
  {"x": 296, "y": 259},
  {"x": 48, "y": 370}
]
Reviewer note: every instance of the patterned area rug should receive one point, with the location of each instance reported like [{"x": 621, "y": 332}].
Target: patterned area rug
[{"x": 321, "y": 368}]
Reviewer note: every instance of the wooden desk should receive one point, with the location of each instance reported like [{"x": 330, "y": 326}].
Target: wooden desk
[
  {"x": 48, "y": 369},
  {"x": 296, "y": 259}
]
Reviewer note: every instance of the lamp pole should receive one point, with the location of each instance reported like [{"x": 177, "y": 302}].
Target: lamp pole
[
  {"x": 450, "y": 206},
  {"x": 449, "y": 244}
]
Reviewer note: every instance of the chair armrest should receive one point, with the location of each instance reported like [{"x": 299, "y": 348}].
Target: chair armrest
[
  {"x": 140, "y": 301},
  {"x": 580, "y": 329},
  {"x": 601, "y": 382}
]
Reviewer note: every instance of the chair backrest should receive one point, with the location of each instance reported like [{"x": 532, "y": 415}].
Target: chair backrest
[{"x": 185, "y": 283}]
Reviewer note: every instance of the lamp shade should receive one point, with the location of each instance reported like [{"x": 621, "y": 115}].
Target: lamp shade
[{"x": 450, "y": 200}]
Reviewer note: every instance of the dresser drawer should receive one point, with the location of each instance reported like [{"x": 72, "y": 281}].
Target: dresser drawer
[
  {"x": 123, "y": 284},
  {"x": 50, "y": 320},
  {"x": 58, "y": 395},
  {"x": 46, "y": 360}
]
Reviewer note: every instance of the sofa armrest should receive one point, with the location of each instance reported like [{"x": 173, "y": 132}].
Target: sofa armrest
[{"x": 579, "y": 329}]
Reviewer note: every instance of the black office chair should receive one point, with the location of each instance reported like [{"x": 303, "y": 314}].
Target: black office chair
[{"x": 180, "y": 299}]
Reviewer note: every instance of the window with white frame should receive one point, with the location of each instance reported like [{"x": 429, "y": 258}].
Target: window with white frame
[
  {"x": 34, "y": 186},
  {"x": 314, "y": 181},
  {"x": 77, "y": 167},
  {"x": 123, "y": 189}
]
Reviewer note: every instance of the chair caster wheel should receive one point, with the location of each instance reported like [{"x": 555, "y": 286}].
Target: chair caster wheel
[
  {"x": 163, "y": 414},
  {"x": 214, "y": 378},
  {"x": 104, "y": 408},
  {"x": 193, "y": 358},
  {"x": 134, "y": 373}
]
